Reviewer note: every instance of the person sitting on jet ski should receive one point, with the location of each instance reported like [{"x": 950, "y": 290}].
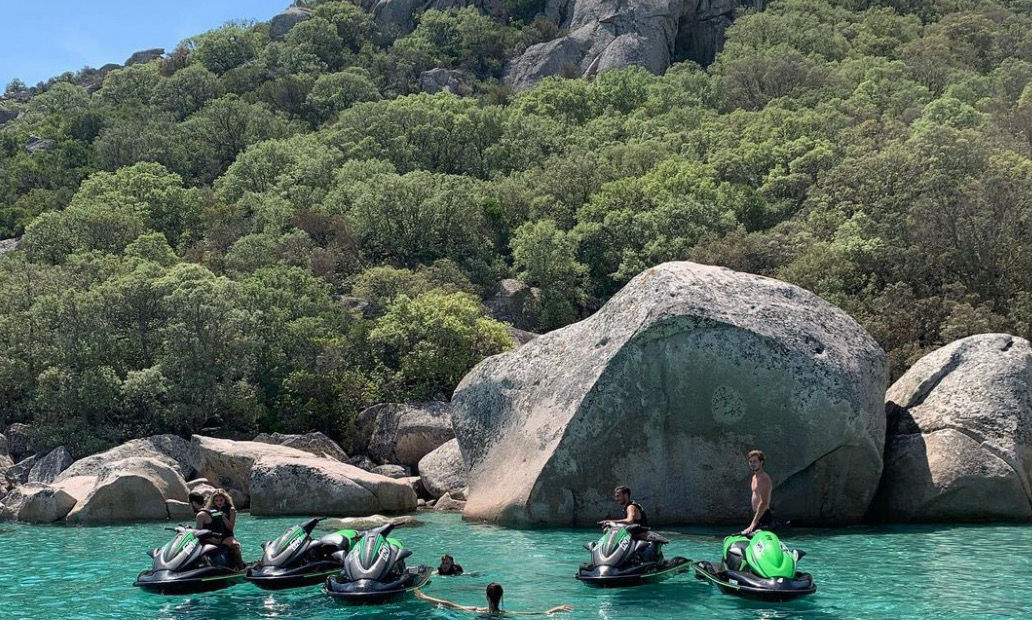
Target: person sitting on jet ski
[
  {"x": 761, "y": 486},
  {"x": 494, "y": 604},
  {"x": 635, "y": 514},
  {"x": 219, "y": 517},
  {"x": 448, "y": 566},
  {"x": 197, "y": 501}
]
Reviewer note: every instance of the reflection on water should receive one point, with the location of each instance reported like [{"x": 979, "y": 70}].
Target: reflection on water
[{"x": 862, "y": 572}]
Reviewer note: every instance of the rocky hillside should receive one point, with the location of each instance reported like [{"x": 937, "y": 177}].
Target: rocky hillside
[{"x": 273, "y": 226}]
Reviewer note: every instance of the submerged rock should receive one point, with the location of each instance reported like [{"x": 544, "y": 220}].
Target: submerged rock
[
  {"x": 287, "y": 485},
  {"x": 665, "y": 389},
  {"x": 444, "y": 470},
  {"x": 368, "y": 523},
  {"x": 959, "y": 444}
]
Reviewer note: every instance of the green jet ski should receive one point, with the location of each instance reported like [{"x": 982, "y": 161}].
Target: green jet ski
[{"x": 760, "y": 567}]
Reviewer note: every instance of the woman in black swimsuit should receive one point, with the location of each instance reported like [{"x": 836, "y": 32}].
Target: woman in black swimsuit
[{"x": 219, "y": 517}]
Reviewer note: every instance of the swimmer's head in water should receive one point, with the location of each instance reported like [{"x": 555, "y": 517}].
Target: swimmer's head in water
[{"x": 494, "y": 596}]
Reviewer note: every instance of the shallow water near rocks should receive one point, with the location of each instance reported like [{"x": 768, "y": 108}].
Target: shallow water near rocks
[{"x": 890, "y": 572}]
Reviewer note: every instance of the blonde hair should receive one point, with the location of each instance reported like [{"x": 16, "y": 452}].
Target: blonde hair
[
  {"x": 210, "y": 504},
  {"x": 758, "y": 454}
]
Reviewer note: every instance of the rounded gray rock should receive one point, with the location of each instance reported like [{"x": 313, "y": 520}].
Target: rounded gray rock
[
  {"x": 959, "y": 444},
  {"x": 443, "y": 470},
  {"x": 665, "y": 389}
]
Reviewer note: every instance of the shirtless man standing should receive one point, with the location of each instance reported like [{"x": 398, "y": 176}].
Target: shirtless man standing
[{"x": 761, "y": 488}]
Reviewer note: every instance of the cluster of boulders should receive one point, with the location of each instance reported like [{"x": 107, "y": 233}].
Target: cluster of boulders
[
  {"x": 275, "y": 474},
  {"x": 689, "y": 367},
  {"x": 665, "y": 389}
]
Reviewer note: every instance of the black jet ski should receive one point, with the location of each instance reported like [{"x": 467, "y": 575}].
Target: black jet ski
[
  {"x": 375, "y": 572},
  {"x": 759, "y": 568},
  {"x": 295, "y": 559},
  {"x": 187, "y": 565},
  {"x": 629, "y": 555}
]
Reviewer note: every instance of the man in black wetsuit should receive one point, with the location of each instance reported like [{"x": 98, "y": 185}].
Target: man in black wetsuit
[{"x": 634, "y": 513}]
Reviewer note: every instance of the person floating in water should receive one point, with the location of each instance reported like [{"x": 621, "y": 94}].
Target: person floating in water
[
  {"x": 448, "y": 566},
  {"x": 634, "y": 513},
  {"x": 761, "y": 488},
  {"x": 219, "y": 516},
  {"x": 494, "y": 604}
]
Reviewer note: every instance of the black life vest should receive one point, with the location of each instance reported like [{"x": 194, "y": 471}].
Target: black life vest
[
  {"x": 219, "y": 524},
  {"x": 644, "y": 521}
]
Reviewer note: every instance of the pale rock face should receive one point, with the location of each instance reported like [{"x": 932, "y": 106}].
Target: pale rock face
[
  {"x": 959, "y": 445},
  {"x": 403, "y": 433},
  {"x": 131, "y": 489},
  {"x": 227, "y": 464},
  {"x": 443, "y": 470},
  {"x": 282, "y": 485},
  {"x": 315, "y": 443},
  {"x": 174, "y": 451},
  {"x": 665, "y": 390},
  {"x": 36, "y": 503}
]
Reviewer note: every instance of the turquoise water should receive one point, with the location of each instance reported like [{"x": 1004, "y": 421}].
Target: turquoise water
[{"x": 898, "y": 572}]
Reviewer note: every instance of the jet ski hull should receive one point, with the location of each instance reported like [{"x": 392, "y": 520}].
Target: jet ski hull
[
  {"x": 274, "y": 578},
  {"x": 750, "y": 586},
  {"x": 606, "y": 577},
  {"x": 371, "y": 592},
  {"x": 206, "y": 579}
]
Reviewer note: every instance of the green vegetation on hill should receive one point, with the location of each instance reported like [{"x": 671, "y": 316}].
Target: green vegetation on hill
[{"x": 188, "y": 231}]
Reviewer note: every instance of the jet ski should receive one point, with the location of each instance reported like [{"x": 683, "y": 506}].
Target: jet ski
[
  {"x": 629, "y": 555},
  {"x": 759, "y": 568},
  {"x": 295, "y": 559},
  {"x": 374, "y": 571},
  {"x": 187, "y": 565}
]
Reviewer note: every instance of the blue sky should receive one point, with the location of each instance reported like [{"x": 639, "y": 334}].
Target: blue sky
[{"x": 43, "y": 38}]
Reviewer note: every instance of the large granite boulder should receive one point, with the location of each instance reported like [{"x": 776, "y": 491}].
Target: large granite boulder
[
  {"x": 9, "y": 245},
  {"x": 959, "y": 438},
  {"x": 665, "y": 389},
  {"x": 515, "y": 303},
  {"x": 49, "y": 467},
  {"x": 227, "y": 463},
  {"x": 307, "y": 485},
  {"x": 600, "y": 35},
  {"x": 403, "y": 433},
  {"x": 444, "y": 470},
  {"x": 315, "y": 443},
  {"x": 132, "y": 489},
  {"x": 172, "y": 450},
  {"x": 281, "y": 24},
  {"x": 19, "y": 442},
  {"x": 36, "y": 503}
]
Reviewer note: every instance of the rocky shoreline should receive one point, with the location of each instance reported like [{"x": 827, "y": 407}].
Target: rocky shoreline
[{"x": 664, "y": 389}]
